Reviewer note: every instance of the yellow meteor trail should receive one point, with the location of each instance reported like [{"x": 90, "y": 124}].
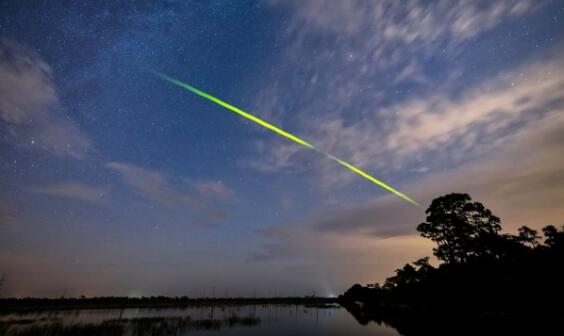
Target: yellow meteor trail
[{"x": 286, "y": 135}]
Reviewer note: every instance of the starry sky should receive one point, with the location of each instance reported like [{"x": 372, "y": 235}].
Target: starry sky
[{"x": 115, "y": 182}]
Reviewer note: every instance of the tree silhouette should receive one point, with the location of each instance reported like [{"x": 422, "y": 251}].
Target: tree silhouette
[
  {"x": 553, "y": 237},
  {"x": 404, "y": 276},
  {"x": 528, "y": 236},
  {"x": 462, "y": 229},
  {"x": 481, "y": 268},
  {"x": 408, "y": 275}
]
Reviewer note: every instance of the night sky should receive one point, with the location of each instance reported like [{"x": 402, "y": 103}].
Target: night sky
[{"x": 115, "y": 182}]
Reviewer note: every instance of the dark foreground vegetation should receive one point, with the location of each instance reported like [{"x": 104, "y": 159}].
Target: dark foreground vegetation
[
  {"x": 14, "y": 305},
  {"x": 417, "y": 321},
  {"x": 481, "y": 270}
]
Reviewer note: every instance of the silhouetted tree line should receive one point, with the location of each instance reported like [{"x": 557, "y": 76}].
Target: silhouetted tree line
[{"x": 481, "y": 268}]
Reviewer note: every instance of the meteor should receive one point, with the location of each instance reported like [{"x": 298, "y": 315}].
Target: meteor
[{"x": 285, "y": 134}]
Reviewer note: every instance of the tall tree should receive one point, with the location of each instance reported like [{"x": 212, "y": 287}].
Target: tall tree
[
  {"x": 528, "y": 236},
  {"x": 461, "y": 228},
  {"x": 553, "y": 237}
]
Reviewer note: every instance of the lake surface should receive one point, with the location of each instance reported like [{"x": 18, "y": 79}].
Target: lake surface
[{"x": 228, "y": 320}]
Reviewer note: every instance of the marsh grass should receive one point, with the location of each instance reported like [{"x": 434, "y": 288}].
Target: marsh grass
[{"x": 132, "y": 326}]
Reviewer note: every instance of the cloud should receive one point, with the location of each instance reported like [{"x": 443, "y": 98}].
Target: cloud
[
  {"x": 412, "y": 22},
  {"x": 7, "y": 217},
  {"x": 336, "y": 84},
  {"x": 412, "y": 72},
  {"x": 432, "y": 131},
  {"x": 520, "y": 179},
  {"x": 214, "y": 189},
  {"x": 10, "y": 206},
  {"x": 521, "y": 182},
  {"x": 153, "y": 185},
  {"x": 73, "y": 190},
  {"x": 276, "y": 158},
  {"x": 484, "y": 112},
  {"x": 340, "y": 258},
  {"x": 274, "y": 251},
  {"x": 339, "y": 47},
  {"x": 25, "y": 87},
  {"x": 30, "y": 111}
]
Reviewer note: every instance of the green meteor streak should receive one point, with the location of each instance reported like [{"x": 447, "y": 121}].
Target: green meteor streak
[{"x": 286, "y": 135}]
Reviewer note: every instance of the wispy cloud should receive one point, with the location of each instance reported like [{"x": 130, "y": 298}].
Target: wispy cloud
[
  {"x": 415, "y": 24},
  {"x": 7, "y": 217},
  {"x": 154, "y": 185},
  {"x": 342, "y": 258},
  {"x": 436, "y": 128},
  {"x": 214, "y": 189},
  {"x": 30, "y": 112},
  {"x": 73, "y": 190},
  {"x": 521, "y": 181},
  {"x": 338, "y": 80},
  {"x": 26, "y": 86},
  {"x": 520, "y": 178}
]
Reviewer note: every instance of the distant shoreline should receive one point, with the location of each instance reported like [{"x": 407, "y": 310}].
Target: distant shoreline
[{"x": 19, "y": 305}]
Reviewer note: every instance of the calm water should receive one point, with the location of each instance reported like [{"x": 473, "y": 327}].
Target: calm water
[{"x": 240, "y": 320}]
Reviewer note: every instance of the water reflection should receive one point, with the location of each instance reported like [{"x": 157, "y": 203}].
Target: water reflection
[
  {"x": 413, "y": 322},
  {"x": 231, "y": 320},
  {"x": 354, "y": 320}
]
